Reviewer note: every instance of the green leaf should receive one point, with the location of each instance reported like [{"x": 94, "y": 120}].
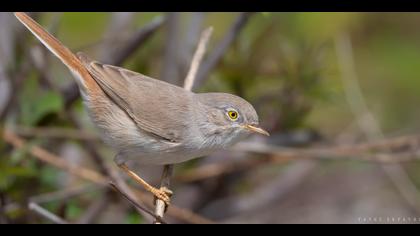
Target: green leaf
[
  {"x": 36, "y": 103},
  {"x": 73, "y": 211},
  {"x": 49, "y": 176},
  {"x": 133, "y": 218}
]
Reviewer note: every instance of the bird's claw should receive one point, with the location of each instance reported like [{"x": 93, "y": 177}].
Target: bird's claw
[{"x": 163, "y": 194}]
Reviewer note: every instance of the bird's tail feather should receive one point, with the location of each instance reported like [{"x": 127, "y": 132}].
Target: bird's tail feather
[{"x": 85, "y": 81}]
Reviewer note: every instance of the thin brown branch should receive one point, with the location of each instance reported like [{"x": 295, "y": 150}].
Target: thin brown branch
[
  {"x": 198, "y": 56},
  {"x": 95, "y": 177},
  {"x": 135, "y": 204},
  {"x": 55, "y": 133},
  {"x": 165, "y": 182},
  {"x": 406, "y": 148},
  {"x": 95, "y": 209},
  {"x": 385, "y": 151},
  {"x": 44, "y": 213},
  {"x": 62, "y": 194},
  {"x": 219, "y": 169},
  {"x": 53, "y": 159},
  {"x": 268, "y": 193}
]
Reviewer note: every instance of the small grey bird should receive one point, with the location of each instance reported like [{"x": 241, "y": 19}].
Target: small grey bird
[{"x": 150, "y": 121}]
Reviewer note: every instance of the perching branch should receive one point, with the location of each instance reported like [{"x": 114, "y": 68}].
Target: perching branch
[
  {"x": 95, "y": 177},
  {"x": 135, "y": 204}
]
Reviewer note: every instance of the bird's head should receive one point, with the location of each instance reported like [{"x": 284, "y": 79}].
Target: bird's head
[{"x": 228, "y": 118}]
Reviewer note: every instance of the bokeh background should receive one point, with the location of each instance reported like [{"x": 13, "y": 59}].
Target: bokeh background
[{"x": 319, "y": 81}]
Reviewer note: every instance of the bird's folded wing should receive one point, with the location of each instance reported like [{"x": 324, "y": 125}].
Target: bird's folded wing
[{"x": 157, "y": 107}]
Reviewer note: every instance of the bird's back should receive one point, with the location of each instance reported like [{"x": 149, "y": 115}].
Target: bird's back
[{"x": 143, "y": 118}]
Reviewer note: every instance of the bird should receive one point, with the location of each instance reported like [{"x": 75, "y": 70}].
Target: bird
[{"x": 147, "y": 120}]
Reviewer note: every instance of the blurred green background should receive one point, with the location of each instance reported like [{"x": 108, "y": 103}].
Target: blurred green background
[{"x": 286, "y": 64}]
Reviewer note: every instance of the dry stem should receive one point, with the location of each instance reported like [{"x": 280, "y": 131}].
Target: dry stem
[{"x": 95, "y": 177}]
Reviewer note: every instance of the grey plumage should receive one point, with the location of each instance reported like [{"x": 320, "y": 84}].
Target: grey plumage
[{"x": 155, "y": 122}]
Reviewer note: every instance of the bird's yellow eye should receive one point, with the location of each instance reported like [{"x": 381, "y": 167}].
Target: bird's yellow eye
[{"x": 233, "y": 115}]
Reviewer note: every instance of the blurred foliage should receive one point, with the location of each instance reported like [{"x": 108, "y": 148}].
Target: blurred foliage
[
  {"x": 46, "y": 102},
  {"x": 283, "y": 63}
]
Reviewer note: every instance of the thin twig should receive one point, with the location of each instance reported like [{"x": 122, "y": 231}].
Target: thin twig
[
  {"x": 55, "y": 133},
  {"x": 198, "y": 56},
  {"x": 62, "y": 194},
  {"x": 135, "y": 204},
  {"x": 53, "y": 159},
  {"x": 375, "y": 151},
  {"x": 269, "y": 193},
  {"x": 407, "y": 148},
  {"x": 95, "y": 177},
  {"x": 95, "y": 209},
  {"x": 46, "y": 214}
]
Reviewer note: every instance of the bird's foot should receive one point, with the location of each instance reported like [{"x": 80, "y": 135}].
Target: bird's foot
[{"x": 163, "y": 194}]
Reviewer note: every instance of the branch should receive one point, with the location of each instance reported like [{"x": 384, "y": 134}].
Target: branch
[
  {"x": 55, "y": 133},
  {"x": 189, "y": 81},
  {"x": 62, "y": 194},
  {"x": 95, "y": 209},
  {"x": 53, "y": 159},
  {"x": 198, "y": 56},
  {"x": 46, "y": 214},
  {"x": 387, "y": 151},
  {"x": 95, "y": 177},
  {"x": 405, "y": 148},
  {"x": 135, "y": 204}
]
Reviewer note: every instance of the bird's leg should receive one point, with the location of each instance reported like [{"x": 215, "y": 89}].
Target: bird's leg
[{"x": 163, "y": 194}]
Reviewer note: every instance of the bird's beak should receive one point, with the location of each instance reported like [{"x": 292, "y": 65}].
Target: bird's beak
[{"x": 256, "y": 129}]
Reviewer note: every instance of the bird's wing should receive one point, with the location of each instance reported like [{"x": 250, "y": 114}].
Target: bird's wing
[{"x": 157, "y": 107}]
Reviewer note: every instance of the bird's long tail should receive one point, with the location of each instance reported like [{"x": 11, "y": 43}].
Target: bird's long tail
[{"x": 85, "y": 81}]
